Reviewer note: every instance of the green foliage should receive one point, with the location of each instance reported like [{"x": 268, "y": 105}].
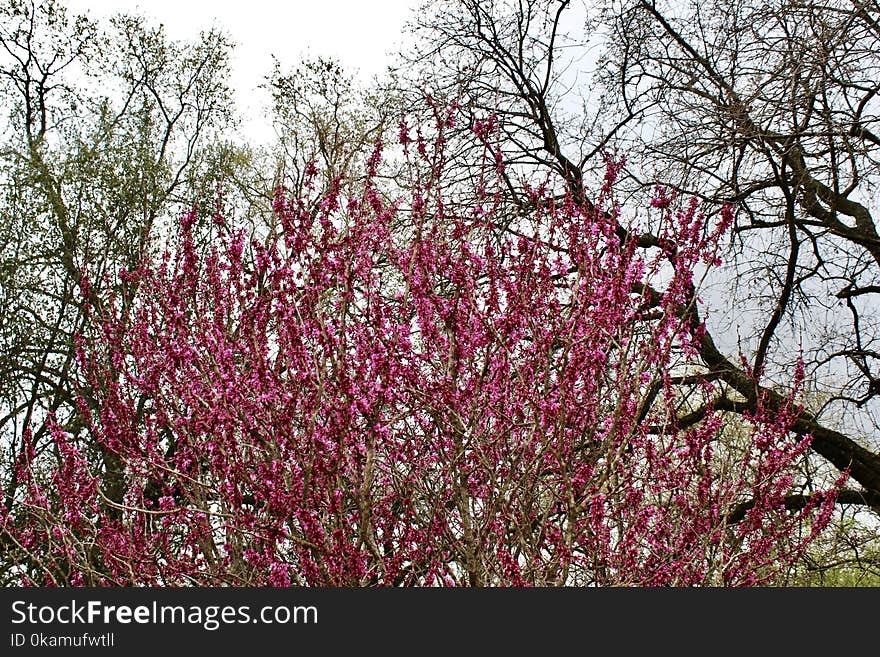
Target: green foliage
[{"x": 847, "y": 556}]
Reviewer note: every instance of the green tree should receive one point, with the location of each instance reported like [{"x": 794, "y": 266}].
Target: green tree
[{"x": 103, "y": 126}]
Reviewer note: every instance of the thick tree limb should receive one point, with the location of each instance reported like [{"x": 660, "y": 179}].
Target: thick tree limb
[{"x": 798, "y": 502}]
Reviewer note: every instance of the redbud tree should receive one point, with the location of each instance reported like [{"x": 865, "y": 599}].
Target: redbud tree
[{"x": 429, "y": 389}]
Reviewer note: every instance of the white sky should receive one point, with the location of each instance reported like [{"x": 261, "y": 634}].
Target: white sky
[{"x": 361, "y": 34}]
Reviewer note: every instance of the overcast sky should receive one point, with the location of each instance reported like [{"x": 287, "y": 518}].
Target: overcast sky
[{"x": 359, "y": 33}]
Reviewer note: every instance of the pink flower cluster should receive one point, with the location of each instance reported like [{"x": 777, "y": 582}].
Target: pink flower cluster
[{"x": 414, "y": 393}]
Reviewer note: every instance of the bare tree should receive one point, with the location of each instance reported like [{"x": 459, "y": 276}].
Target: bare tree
[
  {"x": 520, "y": 62},
  {"x": 774, "y": 107}
]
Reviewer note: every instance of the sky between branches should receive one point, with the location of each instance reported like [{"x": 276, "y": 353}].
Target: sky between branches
[{"x": 360, "y": 35}]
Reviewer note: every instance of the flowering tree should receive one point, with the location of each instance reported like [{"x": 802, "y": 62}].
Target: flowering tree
[{"x": 411, "y": 392}]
